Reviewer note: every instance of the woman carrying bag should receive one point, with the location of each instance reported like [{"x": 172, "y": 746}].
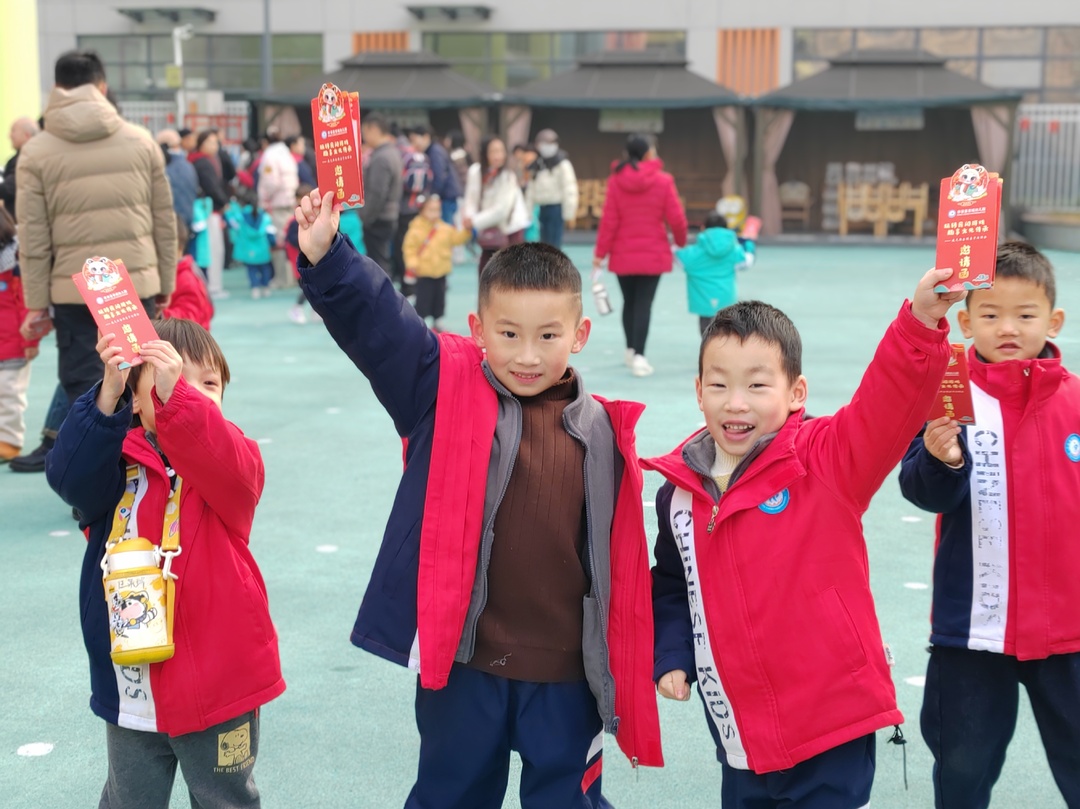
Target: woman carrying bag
[
  {"x": 494, "y": 204},
  {"x": 641, "y": 207}
]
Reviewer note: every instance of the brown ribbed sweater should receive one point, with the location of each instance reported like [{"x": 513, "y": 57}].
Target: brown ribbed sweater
[{"x": 531, "y": 626}]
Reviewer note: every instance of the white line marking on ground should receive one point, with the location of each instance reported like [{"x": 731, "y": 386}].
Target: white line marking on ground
[
  {"x": 916, "y": 585},
  {"x": 918, "y": 682},
  {"x": 326, "y": 548},
  {"x": 910, "y": 518},
  {"x": 35, "y": 749},
  {"x": 59, "y": 533},
  {"x": 264, "y": 440},
  {"x": 649, "y": 503}
]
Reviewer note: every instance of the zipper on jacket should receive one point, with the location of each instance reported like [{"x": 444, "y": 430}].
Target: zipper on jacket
[
  {"x": 491, "y": 527},
  {"x": 592, "y": 562},
  {"x": 712, "y": 518}
]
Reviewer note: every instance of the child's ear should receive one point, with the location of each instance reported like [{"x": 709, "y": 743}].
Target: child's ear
[
  {"x": 963, "y": 317},
  {"x": 798, "y": 394},
  {"x": 1057, "y": 320},
  {"x": 476, "y": 329},
  {"x": 581, "y": 336}
]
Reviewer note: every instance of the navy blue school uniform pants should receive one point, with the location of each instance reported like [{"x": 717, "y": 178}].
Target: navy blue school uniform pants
[
  {"x": 839, "y": 778},
  {"x": 468, "y": 729},
  {"x": 969, "y": 714}
]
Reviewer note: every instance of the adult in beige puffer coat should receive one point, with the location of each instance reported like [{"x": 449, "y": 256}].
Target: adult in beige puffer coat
[{"x": 90, "y": 185}]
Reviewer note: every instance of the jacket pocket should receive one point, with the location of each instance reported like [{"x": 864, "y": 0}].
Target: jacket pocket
[
  {"x": 841, "y": 633},
  {"x": 260, "y": 610}
]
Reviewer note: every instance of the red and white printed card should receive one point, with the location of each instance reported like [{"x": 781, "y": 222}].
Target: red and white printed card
[
  {"x": 954, "y": 395},
  {"x": 335, "y": 122},
  {"x": 968, "y": 213},
  {"x": 107, "y": 289}
]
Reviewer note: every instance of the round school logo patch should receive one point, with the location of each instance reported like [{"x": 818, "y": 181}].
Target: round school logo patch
[
  {"x": 1072, "y": 448},
  {"x": 779, "y": 501}
]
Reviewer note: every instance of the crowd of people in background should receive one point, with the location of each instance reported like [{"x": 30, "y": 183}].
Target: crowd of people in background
[{"x": 428, "y": 199}]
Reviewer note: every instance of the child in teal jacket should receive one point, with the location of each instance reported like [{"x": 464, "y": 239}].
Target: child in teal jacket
[
  {"x": 710, "y": 265},
  {"x": 253, "y": 237}
]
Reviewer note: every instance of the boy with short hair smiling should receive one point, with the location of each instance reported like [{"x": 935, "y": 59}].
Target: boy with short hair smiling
[
  {"x": 180, "y": 467},
  {"x": 1007, "y": 563},
  {"x": 513, "y": 573},
  {"x": 761, "y": 590}
]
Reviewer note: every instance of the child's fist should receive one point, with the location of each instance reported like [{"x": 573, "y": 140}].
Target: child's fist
[
  {"x": 942, "y": 440},
  {"x": 673, "y": 685},
  {"x": 929, "y": 306},
  {"x": 317, "y": 223}
]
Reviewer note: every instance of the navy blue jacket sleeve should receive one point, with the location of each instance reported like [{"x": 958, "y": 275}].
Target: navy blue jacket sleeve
[
  {"x": 930, "y": 484},
  {"x": 673, "y": 646},
  {"x": 85, "y": 466},
  {"x": 377, "y": 328}
]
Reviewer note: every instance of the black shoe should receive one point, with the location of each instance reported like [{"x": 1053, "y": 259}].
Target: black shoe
[{"x": 35, "y": 461}]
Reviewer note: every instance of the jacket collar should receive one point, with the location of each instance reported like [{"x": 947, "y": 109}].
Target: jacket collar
[
  {"x": 769, "y": 466},
  {"x": 1016, "y": 381}
]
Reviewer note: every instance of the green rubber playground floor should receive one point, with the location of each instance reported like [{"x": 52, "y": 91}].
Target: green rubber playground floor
[{"x": 342, "y": 735}]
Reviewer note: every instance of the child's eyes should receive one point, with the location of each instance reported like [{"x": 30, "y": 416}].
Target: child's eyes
[
  {"x": 549, "y": 336},
  {"x": 509, "y": 334}
]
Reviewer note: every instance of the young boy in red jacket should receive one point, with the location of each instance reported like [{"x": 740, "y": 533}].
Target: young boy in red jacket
[
  {"x": 183, "y": 468},
  {"x": 1007, "y": 563},
  {"x": 513, "y": 574},
  {"x": 761, "y": 590}
]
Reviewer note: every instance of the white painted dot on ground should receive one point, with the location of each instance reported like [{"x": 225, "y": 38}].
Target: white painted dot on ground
[
  {"x": 649, "y": 503},
  {"x": 333, "y": 411},
  {"x": 918, "y": 682},
  {"x": 264, "y": 440},
  {"x": 59, "y": 533},
  {"x": 35, "y": 749},
  {"x": 911, "y": 518},
  {"x": 326, "y": 548},
  {"x": 916, "y": 585},
  {"x": 288, "y": 360}
]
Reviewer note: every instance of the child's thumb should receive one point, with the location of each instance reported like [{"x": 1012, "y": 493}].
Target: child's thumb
[{"x": 326, "y": 210}]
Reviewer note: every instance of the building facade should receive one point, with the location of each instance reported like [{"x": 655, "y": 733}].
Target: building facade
[{"x": 750, "y": 47}]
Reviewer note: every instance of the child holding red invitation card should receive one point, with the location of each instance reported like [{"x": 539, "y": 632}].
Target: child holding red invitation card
[
  {"x": 1007, "y": 568},
  {"x": 149, "y": 461}
]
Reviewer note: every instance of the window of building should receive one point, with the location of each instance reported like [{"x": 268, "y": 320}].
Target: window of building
[
  {"x": 513, "y": 59},
  {"x": 232, "y": 63},
  {"x": 1040, "y": 61}
]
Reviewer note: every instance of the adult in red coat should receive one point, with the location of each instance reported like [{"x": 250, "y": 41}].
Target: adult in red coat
[{"x": 642, "y": 204}]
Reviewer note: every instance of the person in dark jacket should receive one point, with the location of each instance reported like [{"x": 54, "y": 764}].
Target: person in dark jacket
[
  {"x": 531, "y": 630},
  {"x": 207, "y": 165},
  {"x": 183, "y": 179},
  {"x": 382, "y": 190},
  {"x": 445, "y": 183},
  {"x": 22, "y": 129}
]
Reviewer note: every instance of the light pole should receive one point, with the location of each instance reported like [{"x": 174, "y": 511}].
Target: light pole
[{"x": 179, "y": 35}]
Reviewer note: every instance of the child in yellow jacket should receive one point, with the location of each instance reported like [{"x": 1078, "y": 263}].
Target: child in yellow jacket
[{"x": 428, "y": 247}]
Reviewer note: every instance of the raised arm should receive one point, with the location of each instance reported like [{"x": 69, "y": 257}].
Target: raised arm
[
  {"x": 857, "y": 448},
  {"x": 211, "y": 455},
  {"x": 372, "y": 323}
]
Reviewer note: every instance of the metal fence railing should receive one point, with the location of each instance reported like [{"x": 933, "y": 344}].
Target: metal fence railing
[
  {"x": 231, "y": 119},
  {"x": 1046, "y": 173}
]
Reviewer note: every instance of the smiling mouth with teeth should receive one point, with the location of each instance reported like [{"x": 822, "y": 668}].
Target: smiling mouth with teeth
[{"x": 739, "y": 428}]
